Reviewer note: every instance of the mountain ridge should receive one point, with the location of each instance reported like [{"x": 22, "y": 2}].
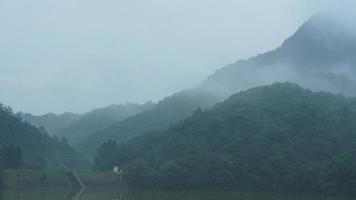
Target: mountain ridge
[
  {"x": 277, "y": 137},
  {"x": 279, "y": 65},
  {"x": 39, "y": 149}
]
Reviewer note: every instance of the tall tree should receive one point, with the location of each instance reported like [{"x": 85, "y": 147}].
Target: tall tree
[{"x": 104, "y": 152}]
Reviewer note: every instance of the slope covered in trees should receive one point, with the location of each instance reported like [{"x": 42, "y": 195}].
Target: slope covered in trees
[
  {"x": 21, "y": 141},
  {"x": 53, "y": 123},
  {"x": 318, "y": 56},
  {"x": 278, "y": 137},
  {"x": 98, "y": 119},
  {"x": 166, "y": 112},
  {"x": 76, "y": 127}
]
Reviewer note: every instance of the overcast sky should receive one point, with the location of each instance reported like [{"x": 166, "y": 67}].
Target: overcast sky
[{"x": 76, "y": 55}]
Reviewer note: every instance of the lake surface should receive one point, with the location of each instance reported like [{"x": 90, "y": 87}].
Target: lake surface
[{"x": 118, "y": 194}]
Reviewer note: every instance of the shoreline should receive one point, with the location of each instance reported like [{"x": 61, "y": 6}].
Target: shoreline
[{"x": 57, "y": 179}]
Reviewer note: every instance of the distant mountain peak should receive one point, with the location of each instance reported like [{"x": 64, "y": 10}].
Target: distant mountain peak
[
  {"x": 320, "y": 55},
  {"x": 322, "y": 41}
]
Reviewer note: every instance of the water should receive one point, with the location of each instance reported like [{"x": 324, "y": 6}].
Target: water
[{"x": 118, "y": 194}]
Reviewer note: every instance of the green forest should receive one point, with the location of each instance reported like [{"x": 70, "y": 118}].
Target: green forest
[
  {"x": 167, "y": 112},
  {"x": 279, "y": 137},
  {"x": 24, "y": 146}
]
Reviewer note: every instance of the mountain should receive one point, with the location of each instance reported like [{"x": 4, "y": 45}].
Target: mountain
[
  {"x": 277, "y": 137},
  {"x": 53, "y": 123},
  {"x": 101, "y": 118},
  {"x": 165, "y": 113},
  {"x": 318, "y": 56},
  {"x": 76, "y": 126},
  {"x": 38, "y": 148}
]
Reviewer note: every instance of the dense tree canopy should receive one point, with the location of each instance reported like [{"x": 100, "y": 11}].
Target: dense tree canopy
[
  {"x": 77, "y": 127},
  {"x": 279, "y": 137},
  {"x": 99, "y": 119},
  {"x": 166, "y": 112},
  {"x": 35, "y": 146},
  {"x": 105, "y": 150}
]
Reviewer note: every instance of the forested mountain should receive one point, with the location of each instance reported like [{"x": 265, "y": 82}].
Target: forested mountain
[
  {"x": 278, "y": 137},
  {"x": 165, "y": 113},
  {"x": 77, "y": 126},
  {"x": 101, "y": 118},
  {"x": 319, "y": 56},
  {"x": 34, "y": 146},
  {"x": 53, "y": 123}
]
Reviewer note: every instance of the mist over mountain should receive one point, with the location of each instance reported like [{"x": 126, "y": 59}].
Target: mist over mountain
[
  {"x": 39, "y": 149},
  {"x": 77, "y": 126},
  {"x": 319, "y": 56},
  {"x": 277, "y": 137},
  {"x": 281, "y": 118},
  {"x": 101, "y": 118},
  {"x": 53, "y": 123},
  {"x": 167, "y": 112}
]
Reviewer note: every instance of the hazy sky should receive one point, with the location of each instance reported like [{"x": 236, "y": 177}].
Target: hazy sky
[{"x": 75, "y": 55}]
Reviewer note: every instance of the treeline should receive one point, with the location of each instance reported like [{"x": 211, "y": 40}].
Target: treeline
[
  {"x": 280, "y": 137},
  {"x": 77, "y": 127},
  {"x": 167, "y": 111}
]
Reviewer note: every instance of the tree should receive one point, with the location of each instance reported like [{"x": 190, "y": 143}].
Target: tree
[
  {"x": 103, "y": 154},
  {"x": 12, "y": 157},
  {"x": 341, "y": 173}
]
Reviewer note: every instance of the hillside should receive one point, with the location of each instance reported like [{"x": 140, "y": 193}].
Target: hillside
[
  {"x": 53, "y": 123},
  {"x": 99, "y": 119},
  {"x": 278, "y": 137},
  {"x": 38, "y": 148},
  {"x": 318, "y": 56},
  {"x": 165, "y": 113},
  {"x": 75, "y": 127}
]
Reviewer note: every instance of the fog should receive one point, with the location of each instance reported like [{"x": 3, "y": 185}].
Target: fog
[
  {"x": 76, "y": 55},
  {"x": 319, "y": 56}
]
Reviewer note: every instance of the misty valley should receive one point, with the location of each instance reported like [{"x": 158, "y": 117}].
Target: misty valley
[{"x": 278, "y": 125}]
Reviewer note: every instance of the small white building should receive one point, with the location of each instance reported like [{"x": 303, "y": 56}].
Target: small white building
[{"x": 116, "y": 170}]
